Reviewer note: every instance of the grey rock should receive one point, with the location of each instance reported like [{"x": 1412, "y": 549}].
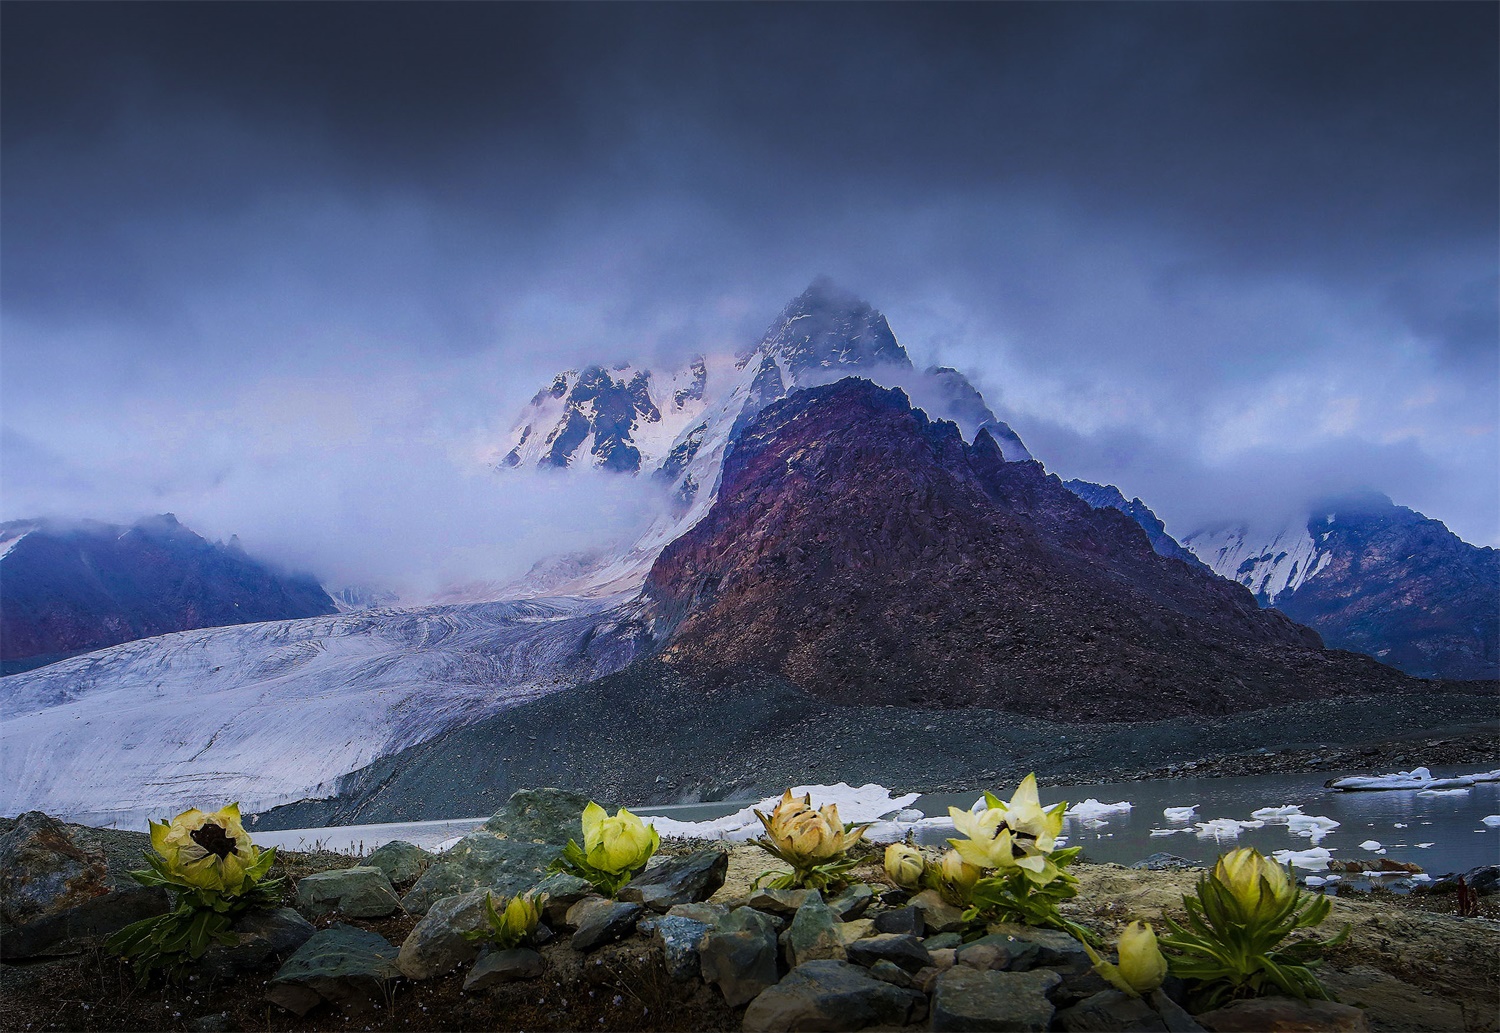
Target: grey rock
[
  {"x": 1076, "y": 987},
  {"x": 679, "y": 937},
  {"x": 852, "y": 901},
  {"x": 1166, "y": 863},
  {"x": 1054, "y": 948},
  {"x": 944, "y": 941},
  {"x": 738, "y": 955},
  {"x": 1111, "y": 1011},
  {"x": 361, "y": 892},
  {"x": 563, "y": 891},
  {"x": 907, "y": 920},
  {"x": 345, "y": 966},
  {"x": 597, "y": 922},
  {"x": 890, "y": 972},
  {"x": 263, "y": 938},
  {"x": 832, "y": 995},
  {"x": 437, "y": 943},
  {"x": 779, "y": 902},
  {"x": 899, "y": 948},
  {"x": 679, "y": 880},
  {"x": 1174, "y": 1015},
  {"x": 1483, "y": 880},
  {"x": 550, "y": 816},
  {"x": 83, "y": 925},
  {"x": 481, "y": 860},
  {"x": 938, "y": 915},
  {"x": 494, "y": 968},
  {"x": 400, "y": 861},
  {"x": 986, "y": 955},
  {"x": 813, "y": 934},
  {"x": 708, "y": 914},
  {"x": 1021, "y": 954},
  {"x": 44, "y": 871},
  {"x": 967, "y": 999}
]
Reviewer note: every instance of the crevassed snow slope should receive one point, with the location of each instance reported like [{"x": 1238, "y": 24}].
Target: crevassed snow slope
[
  {"x": 274, "y": 712},
  {"x": 1268, "y": 565}
]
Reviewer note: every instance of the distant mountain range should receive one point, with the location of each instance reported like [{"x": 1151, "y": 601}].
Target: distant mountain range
[
  {"x": 67, "y": 588},
  {"x": 842, "y": 531},
  {"x": 1376, "y": 578}
]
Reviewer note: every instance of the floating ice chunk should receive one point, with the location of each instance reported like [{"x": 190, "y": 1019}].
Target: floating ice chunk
[
  {"x": 1492, "y": 820},
  {"x": 1370, "y": 844},
  {"x": 1166, "y": 832},
  {"x": 1400, "y": 825},
  {"x": 1416, "y": 778},
  {"x": 1421, "y": 877},
  {"x": 1311, "y": 826},
  {"x": 1458, "y": 791},
  {"x": 866, "y": 803},
  {"x": 1313, "y": 859},
  {"x": 1221, "y": 828},
  {"x": 1093, "y": 810},
  {"x": 1314, "y": 881},
  {"x": 1276, "y": 813},
  {"x": 1424, "y": 846},
  {"x": 1180, "y": 813}
]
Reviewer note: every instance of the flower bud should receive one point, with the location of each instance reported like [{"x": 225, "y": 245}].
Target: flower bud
[
  {"x": 904, "y": 865},
  {"x": 1141, "y": 961},
  {"x": 1256, "y": 885},
  {"x": 616, "y": 844}
]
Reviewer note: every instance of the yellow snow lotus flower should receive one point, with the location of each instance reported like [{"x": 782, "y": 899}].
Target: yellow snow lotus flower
[
  {"x": 805, "y": 836},
  {"x": 987, "y": 842},
  {"x": 1141, "y": 963},
  {"x": 617, "y": 844},
  {"x": 1256, "y": 885},
  {"x": 210, "y": 851},
  {"x": 904, "y": 865},
  {"x": 1028, "y": 822}
]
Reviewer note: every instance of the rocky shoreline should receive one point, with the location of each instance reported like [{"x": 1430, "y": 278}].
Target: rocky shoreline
[{"x": 376, "y": 942}]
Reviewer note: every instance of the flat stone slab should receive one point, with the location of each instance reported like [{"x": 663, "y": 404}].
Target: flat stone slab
[
  {"x": 598, "y": 921},
  {"x": 1111, "y": 1011},
  {"x": 778, "y": 902},
  {"x": 1054, "y": 948},
  {"x": 832, "y": 995},
  {"x": 1284, "y": 1015},
  {"x": 360, "y": 892},
  {"x": 898, "y": 948},
  {"x": 967, "y": 999},
  {"x": 495, "y": 968},
  {"x": 680, "y": 880},
  {"x": 342, "y": 965}
]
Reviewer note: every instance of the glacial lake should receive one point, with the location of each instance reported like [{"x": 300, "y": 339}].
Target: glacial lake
[{"x": 1440, "y": 833}]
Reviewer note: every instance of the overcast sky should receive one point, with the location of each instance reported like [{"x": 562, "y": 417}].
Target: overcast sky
[{"x": 287, "y": 268}]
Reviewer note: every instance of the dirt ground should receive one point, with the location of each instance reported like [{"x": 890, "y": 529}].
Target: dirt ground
[{"x": 1409, "y": 960}]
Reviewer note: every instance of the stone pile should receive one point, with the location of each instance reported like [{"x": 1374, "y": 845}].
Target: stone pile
[{"x": 864, "y": 956}]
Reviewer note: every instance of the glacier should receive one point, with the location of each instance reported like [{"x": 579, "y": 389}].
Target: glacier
[
  {"x": 1270, "y": 565},
  {"x": 270, "y": 713}
]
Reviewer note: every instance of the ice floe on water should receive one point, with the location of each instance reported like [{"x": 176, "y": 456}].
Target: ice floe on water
[
  {"x": 1492, "y": 820},
  {"x": 1225, "y": 828},
  {"x": 1090, "y": 813},
  {"x": 1314, "y": 859},
  {"x": 1373, "y": 845},
  {"x": 1416, "y": 778},
  {"x": 890, "y": 814},
  {"x": 1180, "y": 813},
  {"x": 1458, "y": 791},
  {"x": 1308, "y": 826}
]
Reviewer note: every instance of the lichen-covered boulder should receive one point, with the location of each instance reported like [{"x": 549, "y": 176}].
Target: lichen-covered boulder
[
  {"x": 342, "y": 965},
  {"x": 360, "y": 892},
  {"x": 400, "y": 861}
]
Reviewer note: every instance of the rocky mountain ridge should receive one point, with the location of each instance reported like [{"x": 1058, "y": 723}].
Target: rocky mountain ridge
[
  {"x": 871, "y": 556},
  {"x": 1376, "y": 578},
  {"x": 76, "y": 586}
]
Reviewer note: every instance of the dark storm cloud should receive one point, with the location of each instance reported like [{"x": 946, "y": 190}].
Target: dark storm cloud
[{"x": 1197, "y": 235}]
